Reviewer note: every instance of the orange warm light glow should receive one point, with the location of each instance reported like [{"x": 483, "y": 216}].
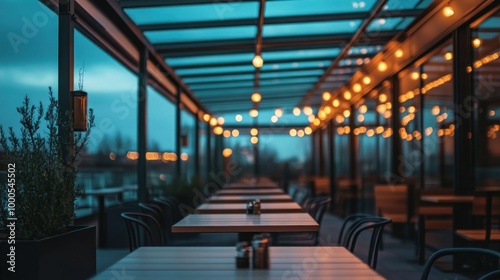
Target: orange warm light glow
[
  {"x": 448, "y": 11},
  {"x": 347, "y": 95},
  {"x": 153, "y": 156},
  {"x": 227, "y": 152},
  {"x": 382, "y": 66},
  {"x": 326, "y": 96},
  {"x": 398, "y": 53},
  {"x": 336, "y": 103},
  {"x": 184, "y": 157},
  {"x": 256, "y": 97}
]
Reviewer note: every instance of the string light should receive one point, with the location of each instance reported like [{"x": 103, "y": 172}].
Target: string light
[
  {"x": 256, "y": 97},
  {"x": 398, "y": 53},
  {"x": 257, "y": 61},
  {"x": 326, "y": 96},
  {"x": 296, "y": 111},
  {"x": 448, "y": 10},
  {"x": 382, "y": 66}
]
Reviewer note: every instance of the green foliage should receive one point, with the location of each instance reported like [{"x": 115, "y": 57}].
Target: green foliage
[{"x": 45, "y": 181}]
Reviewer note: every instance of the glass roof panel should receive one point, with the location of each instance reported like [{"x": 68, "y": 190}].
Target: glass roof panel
[
  {"x": 299, "y": 73},
  {"x": 217, "y": 11},
  {"x": 221, "y": 85},
  {"x": 296, "y": 65},
  {"x": 218, "y": 78},
  {"x": 310, "y": 28},
  {"x": 285, "y": 81},
  {"x": 299, "y": 54},
  {"x": 227, "y": 69},
  {"x": 210, "y": 59},
  {"x": 201, "y": 34},
  {"x": 316, "y": 7},
  {"x": 247, "y": 91},
  {"x": 383, "y": 24},
  {"x": 400, "y": 5}
]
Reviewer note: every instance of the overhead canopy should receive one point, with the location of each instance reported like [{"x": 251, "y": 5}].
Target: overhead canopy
[{"x": 211, "y": 44}]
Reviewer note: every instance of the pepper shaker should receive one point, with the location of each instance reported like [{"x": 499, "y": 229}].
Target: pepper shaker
[
  {"x": 256, "y": 206},
  {"x": 260, "y": 258}
]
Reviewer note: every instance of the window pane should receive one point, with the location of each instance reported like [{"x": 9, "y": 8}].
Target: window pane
[
  {"x": 201, "y": 34},
  {"x": 217, "y": 11},
  {"x": 487, "y": 93}
]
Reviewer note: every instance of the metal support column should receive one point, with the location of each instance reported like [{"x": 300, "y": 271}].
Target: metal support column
[
  {"x": 209, "y": 151},
  {"x": 66, "y": 69},
  {"x": 331, "y": 156},
  {"x": 197, "y": 175},
  {"x": 321, "y": 152},
  {"x": 353, "y": 147},
  {"x": 463, "y": 140},
  {"x": 396, "y": 176},
  {"x": 142, "y": 137},
  {"x": 178, "y": 162},
  {"x": 312, "y": 172}
]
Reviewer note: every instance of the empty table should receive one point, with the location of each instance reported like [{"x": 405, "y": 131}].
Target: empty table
[
  {"x": 245, "y": 224},
  {"x": 263, "y": 185},
  {"x": 246, "y": 198},
  {"x": 249, "y": 191},
  {"x": 305, "y": 262},
  {"x": 241, "y": 208}
]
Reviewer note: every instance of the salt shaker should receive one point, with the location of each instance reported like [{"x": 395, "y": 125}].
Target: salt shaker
[
  {"x": 260, "y": 253},
  {"x": 250, "y": 207},
  {"x": 256, "y": 206},
  {"x": 242, "y": 255}
]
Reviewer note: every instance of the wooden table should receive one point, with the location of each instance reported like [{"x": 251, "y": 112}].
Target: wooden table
[
  {"x": 263, "y": 185},
  {"x": 241, "y": 208},
  {"x": 101, "y": 194},
  {"x": 246, "y": 225},
  {"x": 249, "y": 191},
  {"x": 187, "y": 263},
  {"x": 246, "y": 198},
  {"x": 488, "y": 192}
]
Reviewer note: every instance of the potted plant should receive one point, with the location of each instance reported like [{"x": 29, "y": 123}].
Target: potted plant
[{"x": 37, "y": 198}]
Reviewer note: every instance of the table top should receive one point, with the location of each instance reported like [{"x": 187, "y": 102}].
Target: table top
[
  {"x": 250, "y": 191},
  {"x": 241, "y": 208},
  {"x": 219, "y": 263},
  {"x": 246, "y": 198},
  {"x": 447, "y": 198},
  {"x": 487, "y": 190},
  {"x": 240, "y": 223},
  {"x": 260, "y": 185}
]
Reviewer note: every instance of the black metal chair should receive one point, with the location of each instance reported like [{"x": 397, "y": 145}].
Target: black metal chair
[
  {"x": 349, "y": 222},
  {"x": 376, "y": 225},
  {"x": 316, "y": 207},
  {"x": 453, "y": 251},
  {"x": 158, "y": 213},
  {"x": 143, "y": 230}
]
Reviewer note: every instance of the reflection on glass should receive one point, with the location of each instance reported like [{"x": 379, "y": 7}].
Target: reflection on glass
[{"x": 487, "y": 92}]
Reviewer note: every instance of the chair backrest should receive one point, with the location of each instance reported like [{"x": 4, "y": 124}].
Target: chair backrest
[
  {"x": 347, "y": 225},
  {"x": 301, "y": 196},
  {"x": 317, "y": 207},
  {"x": 454, "y": 251},
  {"x": 376, "y": 224},
  {"x": 392, "y": 201},
  {"x": 143, "y": 230}
]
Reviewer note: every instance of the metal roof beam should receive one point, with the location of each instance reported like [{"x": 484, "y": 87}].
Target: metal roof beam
[
  {"x": 269, "y": 44},
  {"x": 164, "y": 3},
  {"x": 278, "y": 20}
]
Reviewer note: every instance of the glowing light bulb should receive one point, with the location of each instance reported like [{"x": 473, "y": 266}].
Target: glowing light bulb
[
  {"x": 357, "y": 87},
  {"x": 336, "y": 103},
  {"x": 293, "y": 132},
  {"x": 278, "y": 112},
  {"x": 367, "y": 80},
  {"x": 326, "y": 96},
  {"x": 254, "y": 113},
  {"x": 238, "y": 118},
  {"x": 448, "y": 56},
  {"x": 477, "y": 42},
  {"x": 382, "y": 66},
  {"x": 448, "y": 11},
  {"x": 296, "y": 111},
  {"x": 398, "y": 53},
  {"x": 347, "y": 95},
  {"x": 256, "y": 97},
  {"x": 307, "y": 110},
  {"x": 257, "y": 61}
]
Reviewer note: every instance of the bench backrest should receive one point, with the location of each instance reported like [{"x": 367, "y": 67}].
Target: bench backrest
[{"x": 391, "y": 201}]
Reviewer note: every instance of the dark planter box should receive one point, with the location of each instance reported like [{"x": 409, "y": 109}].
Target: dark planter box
[{"x": 71, "y": 255}]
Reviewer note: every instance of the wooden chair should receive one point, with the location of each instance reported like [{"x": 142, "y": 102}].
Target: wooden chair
[
  {"x": 480, "y": 235},
  {"x": 394, "y": 202}
]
